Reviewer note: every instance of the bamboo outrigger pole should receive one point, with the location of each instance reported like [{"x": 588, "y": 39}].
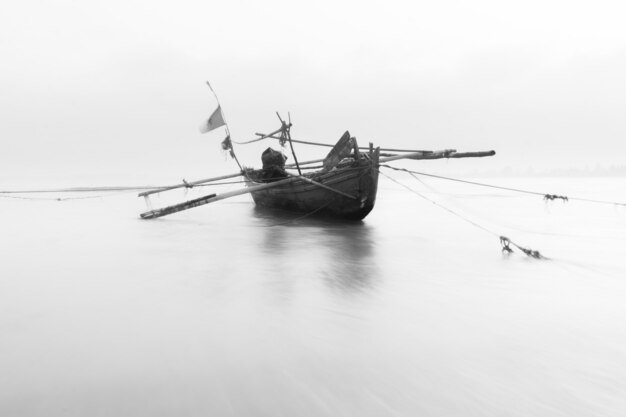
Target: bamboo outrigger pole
[
  {"x": 327, "y": 145},
  {"x": 448, "y": 153},
  {"x": 188, "y": 184},
  {"x": 207, "y": 180},
  {"x": 211, "y": 198}
]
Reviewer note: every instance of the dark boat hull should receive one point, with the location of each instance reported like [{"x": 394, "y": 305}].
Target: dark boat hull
[{"x": 359, "y": 179}]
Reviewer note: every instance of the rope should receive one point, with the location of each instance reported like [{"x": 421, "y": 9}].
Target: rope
[
  {"x": 504, "y": 241},
  {"x": 545, "y": 196},
  {"x": 524, "y": 230},
  {"x": 9, "y": 193},
  {"x": 2, "y": 195},
  {"x": 82, "y": 189}
]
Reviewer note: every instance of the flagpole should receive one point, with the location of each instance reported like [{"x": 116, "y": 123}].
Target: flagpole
[{"x": 225, "y": 124}]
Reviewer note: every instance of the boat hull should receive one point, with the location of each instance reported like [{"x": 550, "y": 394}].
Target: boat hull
[{"x": 359, "y": 180}]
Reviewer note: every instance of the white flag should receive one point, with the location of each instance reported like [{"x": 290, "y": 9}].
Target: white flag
[{"x": 216, "y": 120}]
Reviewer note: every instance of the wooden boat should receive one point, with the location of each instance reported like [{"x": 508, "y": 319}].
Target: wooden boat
[
  {"x": 343, "y": 187},
  {"x": 347, "y": 191}
]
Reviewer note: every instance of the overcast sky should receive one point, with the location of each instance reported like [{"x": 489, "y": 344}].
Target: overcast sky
[{"x": 118, "y": 86}]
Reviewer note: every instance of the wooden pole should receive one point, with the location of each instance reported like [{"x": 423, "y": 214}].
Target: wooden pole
[
  {"x": 207, "y": 180},
  {"x": 232, "y": 149},
  {"x": 313, "y": 161},
  {"x": 261, "y": 137},
  {"x": 327, "y": 145},
  {"x": 153, "y": 214},
  {"x": 187, "y": 184},
  {"x": 471, "y": 154},
  {"x": 286, "y": 135},
  {"x": 448, "y": 153},
  {"x": 295, "y": 158}
]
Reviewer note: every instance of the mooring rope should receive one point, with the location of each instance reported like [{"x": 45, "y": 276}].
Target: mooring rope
[
  {"x": 524, "y": 230},
  {"x": 20, "y": 197},
  {"x": 110, "y": 190},
  {"x": 82, "y": 189},
  {"x": 546, "y": 196},
  {"x": 504, "y": 241}
]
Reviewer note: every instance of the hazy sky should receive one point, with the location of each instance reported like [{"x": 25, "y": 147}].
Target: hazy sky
[{"x": 118, "y": 86}]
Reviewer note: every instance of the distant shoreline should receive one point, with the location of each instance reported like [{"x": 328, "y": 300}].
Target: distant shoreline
[{"x": 611, "y": 172}]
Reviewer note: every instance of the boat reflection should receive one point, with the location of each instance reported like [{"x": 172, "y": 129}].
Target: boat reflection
[{"x": 341, "y": 253}]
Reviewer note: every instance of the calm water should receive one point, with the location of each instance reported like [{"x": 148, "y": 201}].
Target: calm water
[{"x": 227, "y": 310}]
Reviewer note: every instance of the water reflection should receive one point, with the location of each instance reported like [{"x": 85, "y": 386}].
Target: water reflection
[
  {"x": 351, "y": 256},
  {"x": 344, "y": 252}
]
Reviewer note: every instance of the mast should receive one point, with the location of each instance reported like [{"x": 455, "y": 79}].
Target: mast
[
  {"x": 286, "y": 135},
  {"x": 227, "y": 144}
]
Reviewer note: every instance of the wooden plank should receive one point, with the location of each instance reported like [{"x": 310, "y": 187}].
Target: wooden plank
[
  {"x": 338, "y": 152},
  {"x": 326, "y": 187}
]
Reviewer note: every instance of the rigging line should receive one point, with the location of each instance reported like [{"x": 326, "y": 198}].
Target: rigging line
[
  {"x": 457, "y": 195},
  {"x": 81, "y": 190},
  {"x": 545, "y": 195},
  {"x": 16, "y": 197},
  {"x": 65, "y": 198},
  {"x": 439, "y": 205},
  {"x": 425, "y": 184},
  {"x": 514, "y": 227},
  {"x": 504, "y": 241}
]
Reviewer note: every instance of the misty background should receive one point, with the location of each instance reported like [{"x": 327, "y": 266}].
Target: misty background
[
  {"x": 232, "y": 310},
  {"x": 117, "y": 88}
]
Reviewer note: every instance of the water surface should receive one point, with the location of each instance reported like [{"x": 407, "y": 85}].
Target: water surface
[{"x": 230, "y": 310}]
